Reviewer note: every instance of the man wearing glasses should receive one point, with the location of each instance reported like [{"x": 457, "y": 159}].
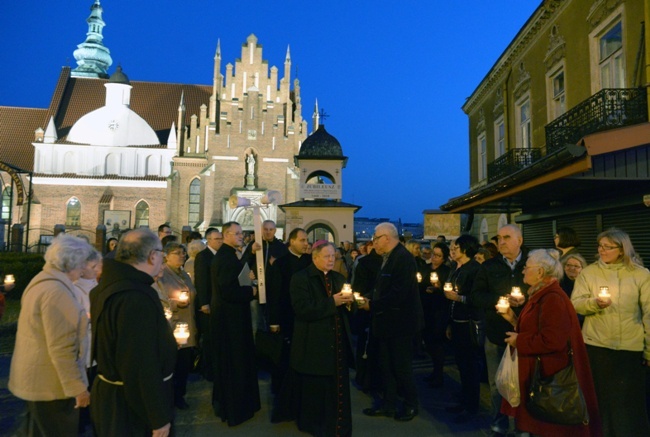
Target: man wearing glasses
[
  {"x": 397, "y": 316},
  {"x": 236, "y": 394},
  {"x": 132, "y": 343}
]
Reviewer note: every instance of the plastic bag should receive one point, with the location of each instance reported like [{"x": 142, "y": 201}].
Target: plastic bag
[{"x": 507, "y": 377}]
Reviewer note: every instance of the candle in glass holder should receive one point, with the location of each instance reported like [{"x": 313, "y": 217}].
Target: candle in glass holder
[
  {"x": 503, "y": 305},
  {"x": 168, "y": 313},
  {"x": 360, "y": 299},
  {"x": 434, "y": 277},
  {"x": 9, "y": 280},
  {"x": 604, "y": 293},
  {"x": 418, "y": 275},
  {"x": 448, "y": 286},
  {"x": 181, "y": 333},
  {"x": 347, "y": 289},
  {"x": 184, "y": 296},
  {"x": 516, "y": 292}
]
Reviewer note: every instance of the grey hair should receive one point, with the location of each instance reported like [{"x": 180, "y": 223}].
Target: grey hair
[
  {"x": 549, "y": 261},
  {"x": 581, "y": 259},
  {"x": 136, "y": 245},
  {"x": 515, "y": 228},
  {"x": 390, "y": 228},
  {"x": 67, "y": 253},
  {"x": 194, "y": 248}
]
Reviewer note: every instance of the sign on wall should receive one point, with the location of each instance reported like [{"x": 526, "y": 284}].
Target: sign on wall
[{"x": 320, "y": 191}]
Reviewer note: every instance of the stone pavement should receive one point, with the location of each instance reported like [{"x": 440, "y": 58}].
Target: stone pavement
[{"x": 199, "y": 420}]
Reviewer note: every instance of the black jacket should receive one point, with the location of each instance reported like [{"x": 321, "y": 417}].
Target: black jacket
[
  {"x": 493, "y": 280},
  {"x": 463, "y": 281},
  {"x": 132, "y": 343},
  {"x": 277, "y": 290},
  {"x": 314, "y": 335},
  {"x": 395, "y": 304},
  {"x": 202, "y": 281}
]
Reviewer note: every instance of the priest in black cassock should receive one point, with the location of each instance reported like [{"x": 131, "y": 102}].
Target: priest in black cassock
[
  {"x": 236, "y": 395},
  {"x": 280, "y": 311},
  {"x": 321, "y": 350}
]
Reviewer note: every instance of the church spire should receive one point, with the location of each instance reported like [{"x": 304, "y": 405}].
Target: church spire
[
  {"x": 93, "y": 58},
  {"x": 315, "y": 118}
]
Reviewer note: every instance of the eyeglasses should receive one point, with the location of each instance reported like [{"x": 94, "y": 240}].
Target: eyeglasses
[
  {"x": 572, "y": 267},
  {"x": 377, "y": 237},
  {"x": 532, "y": 266},
  {"x": 177, "y": 253},
  {"x": 157, "y": 250},
  {"x": 605, "y": 247},
  {"x": 236, "y": 233}
]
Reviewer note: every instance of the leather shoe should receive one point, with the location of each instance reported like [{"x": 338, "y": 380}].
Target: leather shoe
[
  {"x": 378, "y": 412},
  {"x": 406, "y": 415}
]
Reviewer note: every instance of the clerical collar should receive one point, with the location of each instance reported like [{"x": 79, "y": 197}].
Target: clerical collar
[
  {"x": 294, "y": 253},
  {"x": 214, "y": 252}
]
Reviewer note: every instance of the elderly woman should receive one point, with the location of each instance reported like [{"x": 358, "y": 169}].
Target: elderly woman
[
  {"x": 48, "y": 368},
  {"x": 548, "y": 328},
  {"x": 572, "y": 265},
  {"x": 193, "y": 249},
  {"x": 463, "y": 321},
  {"x": 177, "y": 294},
  {"x": 614, "y": 296}
]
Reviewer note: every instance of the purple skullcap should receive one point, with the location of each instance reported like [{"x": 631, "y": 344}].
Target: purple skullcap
[{"x": 319, "y": 243}]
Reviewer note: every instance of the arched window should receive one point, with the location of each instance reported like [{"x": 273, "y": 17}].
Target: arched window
[
  {"x": 320, "y": 231},
  {"x": 193, "y": 216},
  {"x": 484, "y": 231},
  {"x": 152, "y": 165},
  {"x": 6, "y": 204},
  {"x": 142, "y": 215},
  {"x": 73, "y": 213}
]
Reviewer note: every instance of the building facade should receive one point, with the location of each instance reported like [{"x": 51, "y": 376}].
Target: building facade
[
  {"x": 559, "y": 132},
  {"x": 125, "y": 154}
]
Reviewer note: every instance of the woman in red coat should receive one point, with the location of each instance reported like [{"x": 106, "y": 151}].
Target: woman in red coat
[{"x": 544, "y": 327}]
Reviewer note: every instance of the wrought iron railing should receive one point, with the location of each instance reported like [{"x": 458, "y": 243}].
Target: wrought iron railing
[
  {"x": 511, "y": 161},
  {"x": 605, "y": 110}
]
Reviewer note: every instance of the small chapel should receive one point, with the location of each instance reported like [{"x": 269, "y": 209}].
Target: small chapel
[{"x": 120, "y": 153}]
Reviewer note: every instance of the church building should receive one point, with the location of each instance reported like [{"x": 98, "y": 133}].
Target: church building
[{"x": 123, "y": 153}]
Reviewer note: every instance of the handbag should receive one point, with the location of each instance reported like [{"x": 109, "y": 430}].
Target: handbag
[
  {"x": 557, "y": 398},
  {"x": 507, "y": 377}
]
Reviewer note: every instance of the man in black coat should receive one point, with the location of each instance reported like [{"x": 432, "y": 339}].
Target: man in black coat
[
  {"x": 495, "y": 278},
  {"x": 132, "y": 343},
  {"x": 236, "y": 395},
  {"x": 321, "y": 349},
  {"x": 396, "y": 318},
  {"x": 203, "y": 285}
]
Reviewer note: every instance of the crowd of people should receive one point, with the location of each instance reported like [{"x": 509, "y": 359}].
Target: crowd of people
[{"x": 118, "y": 335}]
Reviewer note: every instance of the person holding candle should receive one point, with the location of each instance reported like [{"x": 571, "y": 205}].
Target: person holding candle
[
  {"x": 423, "y": 276},
  {"x": 573, "y": 265},
  {"x": 397, "y": 317},
  {"x": 463, "y": 321},
  {"x": 175, "y": 285},
  {"x": 617, "y": 331},
  {"x": 132, "y": 343},
  {"x": 321, "y": 347},
  {"x": 48, "y": 369},
  {"x": 435, "y": 308},
  {"x": 494, "y": 280},
  {"x": 548, "y": 328}
]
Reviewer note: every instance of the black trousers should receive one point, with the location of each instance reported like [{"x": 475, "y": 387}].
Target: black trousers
[
  {"x": 395, "y": 361},
  {"x": 466, "y": 355},
  {"x": 51, "y": 418},
  {"x": 619, "y": 379}
]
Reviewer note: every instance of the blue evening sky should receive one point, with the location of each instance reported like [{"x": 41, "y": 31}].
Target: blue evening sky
[{"x": 391, "y": 75}]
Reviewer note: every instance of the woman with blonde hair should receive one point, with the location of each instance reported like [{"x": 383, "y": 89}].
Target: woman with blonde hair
[{"x": 614, "y": 296}]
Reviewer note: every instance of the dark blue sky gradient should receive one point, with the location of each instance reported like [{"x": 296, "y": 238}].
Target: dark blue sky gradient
[{"x": 391, "y": 75}]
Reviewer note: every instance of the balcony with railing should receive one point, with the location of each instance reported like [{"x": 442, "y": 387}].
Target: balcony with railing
[{"x": 607, "y": 109}]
